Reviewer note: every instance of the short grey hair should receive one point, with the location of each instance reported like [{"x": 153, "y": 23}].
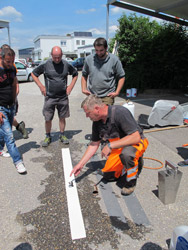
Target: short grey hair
[{"x": 91, "y": 101}]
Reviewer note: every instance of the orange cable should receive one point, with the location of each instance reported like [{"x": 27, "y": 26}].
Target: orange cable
[{"x": 149, "y": 158}]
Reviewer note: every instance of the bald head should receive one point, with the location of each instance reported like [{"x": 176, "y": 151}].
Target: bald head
[{"x": 56, "y": 54}]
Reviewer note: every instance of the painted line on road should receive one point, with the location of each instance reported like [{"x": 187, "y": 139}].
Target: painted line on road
[
  {"x": 75, "y": 215},
  {"x": 135, "y": 209},
  {"x": 110, "y": 200},
  {"x": 112, "y": 206}
]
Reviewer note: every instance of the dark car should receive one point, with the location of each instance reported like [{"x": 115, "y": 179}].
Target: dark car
[
  {"x": 78, "y": 63},
  {"x": 36, "y": 63}
]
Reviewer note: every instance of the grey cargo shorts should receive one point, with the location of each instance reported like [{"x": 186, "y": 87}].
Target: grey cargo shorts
[{"x": 50, "y": 104}]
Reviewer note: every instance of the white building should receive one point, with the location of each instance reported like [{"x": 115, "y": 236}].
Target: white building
[
  {"x": 86, "y": 50},
  {"x": 70, "y": 45}
]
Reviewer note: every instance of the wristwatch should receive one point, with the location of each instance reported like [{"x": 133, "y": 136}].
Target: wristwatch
[{"x": 109, "y": 146}]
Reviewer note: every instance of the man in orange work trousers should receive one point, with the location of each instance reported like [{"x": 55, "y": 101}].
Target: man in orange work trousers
[{"x": 122, "y": 139}]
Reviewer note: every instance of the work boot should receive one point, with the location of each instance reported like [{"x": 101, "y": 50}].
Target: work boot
[
  {"x": 46, "y": 141},
  {"x": 63, "y": 139},
  {"x": 22, "y": 129},
  {"x": 183, "y": 163},
  {"x": 129, "y": 187},
  {"x": 127, "y": 190}
]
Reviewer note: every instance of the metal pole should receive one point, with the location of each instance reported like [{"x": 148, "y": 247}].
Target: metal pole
[
  {"x": 107, "y": 22},
  {"x": 9, "y": 36}
]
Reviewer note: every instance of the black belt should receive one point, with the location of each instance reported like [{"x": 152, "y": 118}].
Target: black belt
[{"x": 7, "y": 106}]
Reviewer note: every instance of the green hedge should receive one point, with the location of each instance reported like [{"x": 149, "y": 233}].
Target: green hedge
[{"x": 154, "y": 56}]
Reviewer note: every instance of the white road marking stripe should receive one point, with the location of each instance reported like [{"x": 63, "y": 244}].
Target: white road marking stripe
[{"x": 75, "y": 215}]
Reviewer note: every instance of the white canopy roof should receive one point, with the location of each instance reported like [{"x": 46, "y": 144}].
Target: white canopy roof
[
  {"x": 4, "y": 24},
  {"x": 170, "y": 10}
]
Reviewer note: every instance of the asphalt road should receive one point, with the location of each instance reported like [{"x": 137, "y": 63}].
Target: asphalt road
[{"x": 33, "y": 207}]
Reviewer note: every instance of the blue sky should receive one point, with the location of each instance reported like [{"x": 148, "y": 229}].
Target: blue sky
[{"x": 28, "y": 19}]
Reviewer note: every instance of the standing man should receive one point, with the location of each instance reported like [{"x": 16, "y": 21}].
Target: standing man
[
  {"x": 19, "y": 126},
  {"x": 124, "y": 142},
  {"x": 8, "y": 83},
  {"x": 105, "y": 71},
  {"x": 56, "y": 91}
]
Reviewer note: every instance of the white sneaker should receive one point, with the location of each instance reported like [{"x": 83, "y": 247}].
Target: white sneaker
[
  {"x": 21, "y": 168},
  {"x": 4, "y": 154}
]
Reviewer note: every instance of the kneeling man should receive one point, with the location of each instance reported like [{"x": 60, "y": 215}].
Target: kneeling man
[{"x": 122, "y": 138}]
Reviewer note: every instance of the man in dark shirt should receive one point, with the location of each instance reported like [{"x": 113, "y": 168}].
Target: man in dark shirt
[
  {"x": 19, "y": 126},
  {"x": 123, "y": 139},
  {"x": 7, "y": 100},
  {"x": 56, "y": 91}
]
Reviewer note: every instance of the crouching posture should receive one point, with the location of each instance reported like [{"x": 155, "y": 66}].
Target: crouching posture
[{"x": 123, "y": 142}]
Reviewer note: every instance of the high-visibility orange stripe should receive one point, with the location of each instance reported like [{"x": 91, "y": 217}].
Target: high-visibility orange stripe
[
  {"x": 132, "y": 174},
  {"x": 131, "y": 168}
]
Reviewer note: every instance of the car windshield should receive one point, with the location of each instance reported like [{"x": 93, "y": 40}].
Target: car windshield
[{"x": 20, "y": 65}]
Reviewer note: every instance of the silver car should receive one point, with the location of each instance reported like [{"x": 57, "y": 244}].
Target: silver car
[{"x": 23, "y": 72}]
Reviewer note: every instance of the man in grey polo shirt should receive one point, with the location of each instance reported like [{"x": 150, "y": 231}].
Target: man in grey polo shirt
[
  {"x": 105, "y": 72},
  {"x": 56, "y": 91}
]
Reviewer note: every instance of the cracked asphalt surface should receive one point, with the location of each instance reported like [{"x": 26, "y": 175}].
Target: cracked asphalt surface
[{"x": 33, "y": 208}]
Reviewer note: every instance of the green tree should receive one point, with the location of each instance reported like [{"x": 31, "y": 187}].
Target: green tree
[
  {"x": 132, "y": 32},
  {"x": 153, "y": 55}
]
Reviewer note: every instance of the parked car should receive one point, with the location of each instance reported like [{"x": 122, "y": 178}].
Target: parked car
[
  {"x": 24, "y": 72},
  {"x": 78, "y": 63},
  {"x": 68, "y": 59},
  {"x": 22, "y": 60},
  {"x": 36, "y": 63}
]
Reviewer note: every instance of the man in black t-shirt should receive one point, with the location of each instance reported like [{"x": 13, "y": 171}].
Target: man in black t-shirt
[
  {"x": 124, "y": 142},
  {"x": 56, "y": 91},
  {"x": 7, "y": 100},
  {"x": 19, "y": 126}
]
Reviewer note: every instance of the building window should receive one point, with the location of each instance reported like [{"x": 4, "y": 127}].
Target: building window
[
  {"x": 83, "y": 42},
  {"x": 63, "y": 43},
  {"x": 77, "y": 42}
]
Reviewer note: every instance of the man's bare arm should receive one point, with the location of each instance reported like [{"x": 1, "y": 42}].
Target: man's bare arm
[
  {"x": 119, "y": 87},
  {"x": 84, "y": 86},
  {"x": 90, "y": 151},
  {"x": 71, "y": 85},
  {"x": 39, "y": 84}
]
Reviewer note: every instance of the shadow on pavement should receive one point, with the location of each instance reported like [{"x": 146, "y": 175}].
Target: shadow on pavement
[
  {"x": 68, "y": 133},
  {"x": 183, "y": 152},
  {"x": 150, "y": 246},
  {"x": 27, "y": 146},
  {"x": 93, "y": 167},
  {"x": 23, "y": 246}
]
